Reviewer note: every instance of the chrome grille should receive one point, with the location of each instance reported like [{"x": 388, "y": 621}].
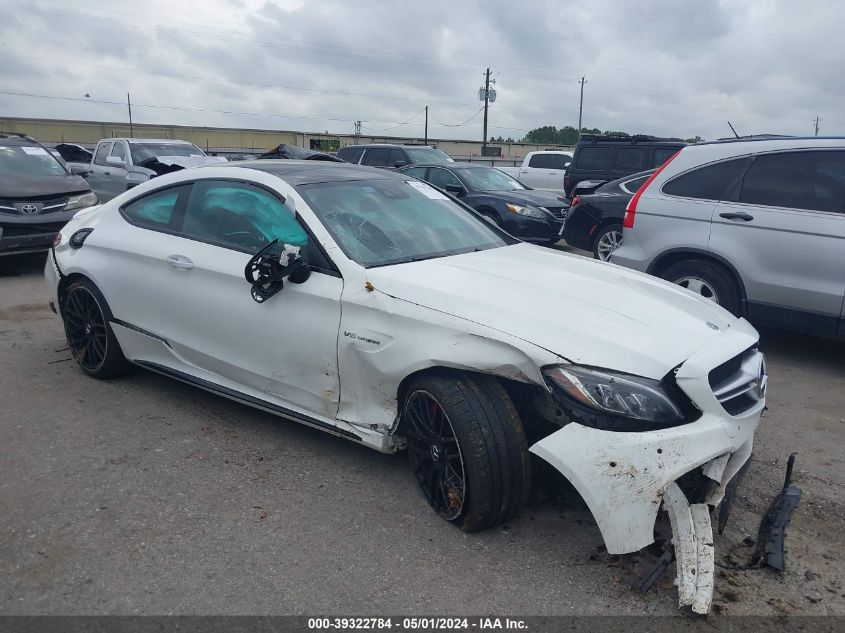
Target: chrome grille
[
  {"x": 740, "y": 383},
  {"x": 13, "y": 206},
  {"x": 558, "y": 212}
]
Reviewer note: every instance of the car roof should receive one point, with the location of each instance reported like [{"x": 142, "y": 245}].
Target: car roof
[
  {"x": 169, "y": 141},
  {"x": 306, "y": 172},
  {"x": 453, "y": 165},
  {"x": 403, "y": 146},
  {"x": 18, "y": 140}
]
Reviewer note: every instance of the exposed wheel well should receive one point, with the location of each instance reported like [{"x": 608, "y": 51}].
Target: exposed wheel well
[
  {"x": 64, "y": 282},
  {"x": 664, "y": 261},
  {"x": 521, "y": 394}
]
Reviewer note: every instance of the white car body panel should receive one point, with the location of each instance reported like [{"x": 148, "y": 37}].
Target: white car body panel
[
  {"x": 538, "y": 177},
  {"x": 332, "y": 352}
]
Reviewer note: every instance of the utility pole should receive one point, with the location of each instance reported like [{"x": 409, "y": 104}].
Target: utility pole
[
  {"x": 486, "y": 99},
  {"x": 581, "y": 106},
  {"x": 357, "y": 131},
  {"x": 817, "y": 125},
  {"x": 129, "y": 105},
  {"x": 426, "y": 125}
]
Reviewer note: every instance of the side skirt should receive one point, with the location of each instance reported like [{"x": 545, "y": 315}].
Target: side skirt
[{"x": 246, "y": 399}]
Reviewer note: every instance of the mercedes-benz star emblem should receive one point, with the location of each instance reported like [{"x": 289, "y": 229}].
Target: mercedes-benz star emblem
[
  {"x": 712, "y": 326},
  {"x": 435, "y": 452}
]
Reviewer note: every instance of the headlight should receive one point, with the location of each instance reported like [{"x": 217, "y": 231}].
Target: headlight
[
  {"x": 531, "y": 212},
  {"x": 80, "y": 202},
  {"x": 617, "y": 395}
]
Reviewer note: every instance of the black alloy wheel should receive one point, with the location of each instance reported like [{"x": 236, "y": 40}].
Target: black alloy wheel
[
  {"x": 85, "y": 326},
  {"x": 435, "y": 454}
]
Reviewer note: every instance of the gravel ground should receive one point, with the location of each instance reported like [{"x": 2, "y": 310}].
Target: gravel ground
[{"x": 146, "y": 496}]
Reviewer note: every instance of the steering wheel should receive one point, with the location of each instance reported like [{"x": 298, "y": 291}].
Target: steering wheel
[{"x": 367, "y": 233}]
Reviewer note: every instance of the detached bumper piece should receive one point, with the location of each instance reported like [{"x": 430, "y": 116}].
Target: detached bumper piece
[
  {"x": 693, "y": 539},
  {"x": 772, "y": 533}
]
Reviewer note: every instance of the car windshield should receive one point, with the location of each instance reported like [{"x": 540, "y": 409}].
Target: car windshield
[
  {"x": 144, "y": 151},
  {"x": 489, "y": 179},
  {"x": 28, "y": 160},
  {"x": 428, "y": 155},
  {"x": 381, "y": 222}
]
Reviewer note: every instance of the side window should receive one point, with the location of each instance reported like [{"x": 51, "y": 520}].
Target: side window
[
  {"x": 542, "y": 161},
  {"x": 631, "y": 158},
  {"x": 800, "y": 180},
  {"x": 350, "y": 154},
  {"x": 632, "y": 186},
  {"x": 155, "y": 211},
  {"x": 102, "y": 152},
  {"x": 239, "y": 216},
  {"x": 562, "y": 161},
  {"x": 119, "y": 151},
  {"x": 593, "y": 158},
  {"x": 711, "y": 182},
  {"x": 415, "y": 172},
  {"x": 662, "y": 154},
  {"x": 395, "y": 156},
  {"x": 442, "y": 178},
  {"x": 376, "y": 157}
]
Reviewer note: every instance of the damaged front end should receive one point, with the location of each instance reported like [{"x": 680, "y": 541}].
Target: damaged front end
[{"x": 630, "y": 445}]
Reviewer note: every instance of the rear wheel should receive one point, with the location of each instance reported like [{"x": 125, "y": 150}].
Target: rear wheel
[
  {"x": 92, "y": 342},
  {"x": 708, "y": 279},
  {"x": 609, "y": 238},
  {"x": 467, "y": 448}
]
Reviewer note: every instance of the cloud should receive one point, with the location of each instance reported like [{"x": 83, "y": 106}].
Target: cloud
[{"x": 654, "y": 66}]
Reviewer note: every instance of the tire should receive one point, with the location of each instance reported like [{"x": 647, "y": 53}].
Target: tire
[
  {"x": 91, "y": 340},
  {"x": 708, "y": 279},
  {"x": 480, "y": 437},
  {"x": 608, "y": 239}
]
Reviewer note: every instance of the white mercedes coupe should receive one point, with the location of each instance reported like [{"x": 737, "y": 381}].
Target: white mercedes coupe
[{"x": 373, "y": 306}]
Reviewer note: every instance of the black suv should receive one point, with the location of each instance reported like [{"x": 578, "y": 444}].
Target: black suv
[
  {"x": 608, "y": 157},
  {"x": 38, "y": 194},
  {"x": 392, "y": 156}
]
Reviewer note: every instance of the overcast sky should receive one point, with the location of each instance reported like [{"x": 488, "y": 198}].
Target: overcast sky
[{"x": 673, "y": 68}]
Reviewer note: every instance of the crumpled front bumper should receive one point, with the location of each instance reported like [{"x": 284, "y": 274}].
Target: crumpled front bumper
[{"x": 624, "y": 477}]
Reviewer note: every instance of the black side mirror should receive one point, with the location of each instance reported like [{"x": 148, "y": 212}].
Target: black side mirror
[
  {"x": 457, "y": 190},
  {"x": 79, "y": 170},
  {"x": 399, "y": 163},
  {"x": 267, "y": 269}
]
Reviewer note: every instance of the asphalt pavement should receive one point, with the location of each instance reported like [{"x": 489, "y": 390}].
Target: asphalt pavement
[{"x": 146, "y": 496}]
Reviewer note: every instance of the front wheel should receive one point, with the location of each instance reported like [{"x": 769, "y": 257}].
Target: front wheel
[
  {"x": 608, "y": 240},
  {"x": 707, "y": 279},
  {"x": 467, "y": 448}
]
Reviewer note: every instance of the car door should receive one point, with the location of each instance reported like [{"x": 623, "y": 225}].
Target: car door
[
  {"x": 446, "y": 180},
  {"x": 376, "y": 156},
  {"x": 115, "y": 181},
  {"x": 537, "y": 173},
  {"x": 284, "y": 349},
  {"x": 784, "y": 231},
  {"x": 100, "y": 172}
]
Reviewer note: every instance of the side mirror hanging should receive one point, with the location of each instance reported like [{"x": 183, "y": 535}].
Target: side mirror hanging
[{"x": 267, "y": 269}]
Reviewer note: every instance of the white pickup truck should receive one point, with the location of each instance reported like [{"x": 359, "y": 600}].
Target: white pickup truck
[
  {"x": 119, "y": 164},
  {"x": 542, "y": 170}
]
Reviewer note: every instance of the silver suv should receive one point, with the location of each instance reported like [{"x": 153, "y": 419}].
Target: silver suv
[{"x": 756, "y": 225}]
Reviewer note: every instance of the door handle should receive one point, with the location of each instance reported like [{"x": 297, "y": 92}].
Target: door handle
[
  {"x": 741, "y": 215},
  {"x": 107, "y": 173},
  {"x": 180, "y": 262}
]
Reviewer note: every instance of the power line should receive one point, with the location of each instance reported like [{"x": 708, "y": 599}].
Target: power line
[
  {"x": 399, "y": 124},
  {"x": 438, "y": 123},
  {"x": 179, "y": 108},
  {"x": 234, "y": 82}
]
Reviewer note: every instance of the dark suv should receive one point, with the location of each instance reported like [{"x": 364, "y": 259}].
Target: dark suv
[
  {"x": 38, "y": 194},
  {"x": 392, "y": 156},
  {"x": 608, "y": 157}
]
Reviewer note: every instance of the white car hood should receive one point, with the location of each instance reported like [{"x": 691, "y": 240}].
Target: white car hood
[{"x": 588, "y": 312}]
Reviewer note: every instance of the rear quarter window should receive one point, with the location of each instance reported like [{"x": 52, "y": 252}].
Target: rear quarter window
[
  {"x": 711, "y": 182},
  {"x": 350, "y": 154},
  {"x": 593, "y": 158}
]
